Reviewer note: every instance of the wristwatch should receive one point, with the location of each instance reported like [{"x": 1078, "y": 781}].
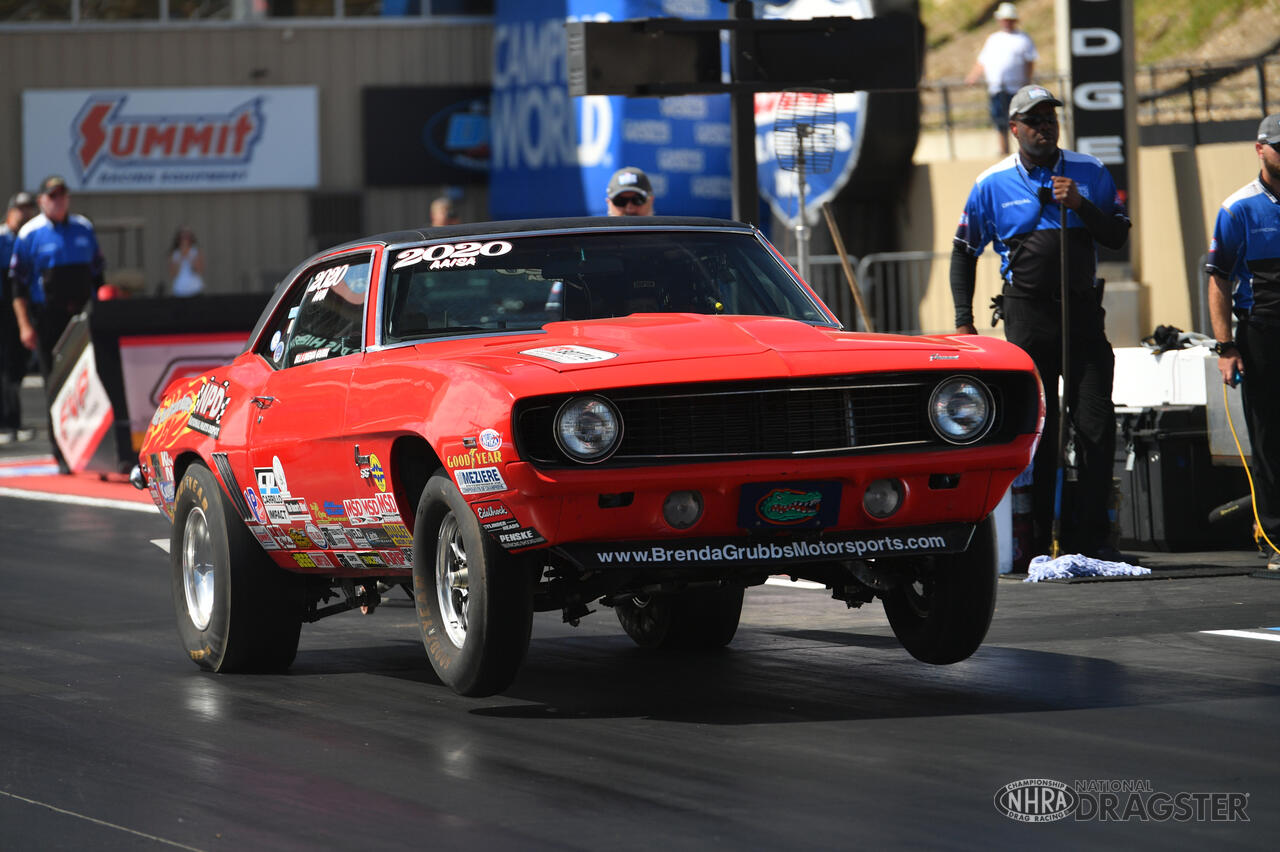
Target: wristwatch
[{"x": 1222, "y": 347}]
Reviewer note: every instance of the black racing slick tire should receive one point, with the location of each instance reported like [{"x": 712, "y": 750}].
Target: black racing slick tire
[
  {"x": 691, "y": 620},
  {"x": 941, "y": 615},
  {"x": 474, "y": 600},
  {"x": 236, "y": 609}
]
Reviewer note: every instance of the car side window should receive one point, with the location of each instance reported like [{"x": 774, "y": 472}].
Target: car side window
[{"x": 323, "y": 317}]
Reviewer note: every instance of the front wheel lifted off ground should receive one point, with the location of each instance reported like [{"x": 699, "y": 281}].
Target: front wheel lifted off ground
[
  {"x": 475, "y": 601},
  {"x": 942, "y": 613},
  {"x": 236, "y": 609}
]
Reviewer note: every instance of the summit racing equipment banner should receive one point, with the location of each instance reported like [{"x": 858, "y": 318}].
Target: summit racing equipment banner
[
  {"x": 774, "y": 551},
  {"x": 169, "y": 140}
]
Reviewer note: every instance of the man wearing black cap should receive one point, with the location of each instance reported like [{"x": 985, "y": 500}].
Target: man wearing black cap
[
  {"x": 630, "y": 193},
  {"x": 56, "y": 270},
  {"x": 1015, "y": 205},
  {"x": 14, "y": 357},
  {"x": 1245, "y": 251}
]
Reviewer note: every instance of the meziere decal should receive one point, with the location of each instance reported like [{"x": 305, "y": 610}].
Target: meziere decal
[{"x": 481, "y": 480}]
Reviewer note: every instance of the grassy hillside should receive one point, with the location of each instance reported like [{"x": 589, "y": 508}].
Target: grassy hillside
[{"x": 1166, "y": 31}]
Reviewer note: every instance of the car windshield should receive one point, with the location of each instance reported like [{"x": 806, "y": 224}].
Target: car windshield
[{"x": 523, "y": 282}]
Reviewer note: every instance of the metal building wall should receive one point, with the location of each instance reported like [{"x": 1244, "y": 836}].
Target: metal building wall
[{"x": 249, "y": 238}]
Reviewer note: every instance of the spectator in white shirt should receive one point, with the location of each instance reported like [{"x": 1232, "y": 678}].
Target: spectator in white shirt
[{"x": 1006, "y": 62}]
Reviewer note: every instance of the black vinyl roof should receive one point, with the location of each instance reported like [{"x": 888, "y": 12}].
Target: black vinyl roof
[{"x": 576, "y": 223}]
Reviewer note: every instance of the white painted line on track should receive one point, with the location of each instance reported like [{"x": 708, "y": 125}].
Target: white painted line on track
[
  {"x": 101, "y": 822},
  {"x": 162, "y": 543},
  {"x": 793, "y": 584},
  {"x": 1245, "y": 634},
  {"x": 72, "y": 499}
]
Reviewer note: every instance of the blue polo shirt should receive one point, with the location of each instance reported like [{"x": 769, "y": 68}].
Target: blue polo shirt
[
  {"x": 43, "y": 245},
  {"x": 1005, "y": 209},
  {"x": 1245, "y": 249}
]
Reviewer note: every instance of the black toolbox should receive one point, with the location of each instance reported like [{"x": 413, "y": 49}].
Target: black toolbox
[{"x": 1166, "y": 486}]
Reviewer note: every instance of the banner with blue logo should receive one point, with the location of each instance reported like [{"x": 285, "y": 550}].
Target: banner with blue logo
[
  {"x": 780, "y": 188},
  {"x": 552, "y": 155}
]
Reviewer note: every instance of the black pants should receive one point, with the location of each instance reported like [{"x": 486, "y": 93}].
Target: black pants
[
  {"x": 14, "y": 358},
  {"x": 1036, "y": 326},
  {"x": 50, "y": 322},
  {"x": 1260, "y": 350}
]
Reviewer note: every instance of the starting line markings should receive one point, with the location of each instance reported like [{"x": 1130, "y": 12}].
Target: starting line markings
[
  {"x": 1269, "y": 634},
  {"x": 100, "y": 502}
]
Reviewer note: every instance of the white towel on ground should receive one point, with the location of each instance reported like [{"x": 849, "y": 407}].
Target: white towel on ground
[{"x": 1078, "y": 565}]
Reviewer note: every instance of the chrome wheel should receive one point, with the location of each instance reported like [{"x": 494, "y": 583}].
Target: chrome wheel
[
  {"x": 451, "y": 579},
  {"x": 199, "y": 569}
]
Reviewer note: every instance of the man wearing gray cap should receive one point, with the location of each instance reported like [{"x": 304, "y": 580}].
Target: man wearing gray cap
[
  {"x": 1016, "y": 205},
  {"x": 14, "y": 357},
  {"x": 1245, "y": 252},
  {"x": 630, "y": 193}
]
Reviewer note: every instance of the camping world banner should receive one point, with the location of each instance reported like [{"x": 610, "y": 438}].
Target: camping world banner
[{"x": 179, "y": 139}]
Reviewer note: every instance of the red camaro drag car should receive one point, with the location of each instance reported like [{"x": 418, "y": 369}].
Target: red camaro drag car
[{"x": 652, "y": 414}]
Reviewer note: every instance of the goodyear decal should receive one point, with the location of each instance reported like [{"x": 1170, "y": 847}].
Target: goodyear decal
[{"x": 474, "y": 458}]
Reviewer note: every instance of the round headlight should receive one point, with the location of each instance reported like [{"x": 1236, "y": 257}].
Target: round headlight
[
  {"x": 961, "y": 410},
  {"x": 588, "y": 429}
]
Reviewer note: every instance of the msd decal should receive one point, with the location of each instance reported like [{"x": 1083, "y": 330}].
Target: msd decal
[{"x": 106, "y": 131}]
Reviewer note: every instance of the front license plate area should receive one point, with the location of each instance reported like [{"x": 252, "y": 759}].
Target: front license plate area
[{"x": 789, "y": 505}]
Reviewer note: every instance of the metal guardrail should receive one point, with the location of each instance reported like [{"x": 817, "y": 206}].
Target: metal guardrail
[
  {"x": 1194, "y": 94},
  {"x": 893, "y": 285}
]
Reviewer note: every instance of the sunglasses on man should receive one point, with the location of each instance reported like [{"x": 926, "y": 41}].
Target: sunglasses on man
[
  {"x": 1038, "y": 119},
  {"x": 55, "y": 194},
  {"x": 621, "y": 201}
]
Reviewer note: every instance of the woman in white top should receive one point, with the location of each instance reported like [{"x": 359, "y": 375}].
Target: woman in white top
[{"x": 186, "y": 265}]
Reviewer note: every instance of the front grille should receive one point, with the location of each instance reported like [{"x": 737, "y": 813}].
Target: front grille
[
  {"x": 784, "y": 421},
  {"x": 831, "y": 416}
]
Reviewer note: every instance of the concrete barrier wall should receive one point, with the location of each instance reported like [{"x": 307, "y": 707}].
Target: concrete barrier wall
[{"x": 1181, "y": 190}]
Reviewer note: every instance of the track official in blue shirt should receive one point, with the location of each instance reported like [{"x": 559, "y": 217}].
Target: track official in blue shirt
[
  {"x": 14, "y": 357},
  {"x": 1244, "y": 266},
  {"x": 1014, "y": 206},
  {"x": 55, "y": 270}
]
